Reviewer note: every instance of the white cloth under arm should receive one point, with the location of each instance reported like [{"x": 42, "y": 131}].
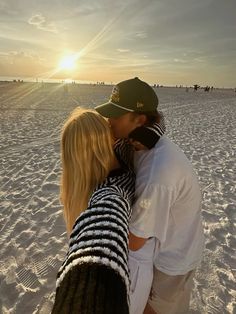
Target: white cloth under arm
[{"x": 141, "y": 276}]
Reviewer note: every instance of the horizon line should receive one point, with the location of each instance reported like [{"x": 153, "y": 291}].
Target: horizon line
[{"x": 89, "y": 82}]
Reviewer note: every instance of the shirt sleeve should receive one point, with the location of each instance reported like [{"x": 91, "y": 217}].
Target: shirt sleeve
[
  {"x": 124, "y": 152},
  {"x": 151, "y": 212}
]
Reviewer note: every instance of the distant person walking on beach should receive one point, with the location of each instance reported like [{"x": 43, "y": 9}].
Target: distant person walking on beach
[
  {"x": 97, "y": 190},
  {"x": 196, "y": 87},
  {"x": 167, "y": 210}
]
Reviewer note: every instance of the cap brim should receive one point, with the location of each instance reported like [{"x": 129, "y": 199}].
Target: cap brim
[{"x": 109, "y": 110}]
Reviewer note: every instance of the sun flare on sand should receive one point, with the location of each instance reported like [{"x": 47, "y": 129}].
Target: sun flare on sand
[{"x": 68, "y": 62}]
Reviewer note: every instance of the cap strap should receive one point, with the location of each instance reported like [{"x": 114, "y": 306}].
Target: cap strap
[{"x": 121, "y": 106}]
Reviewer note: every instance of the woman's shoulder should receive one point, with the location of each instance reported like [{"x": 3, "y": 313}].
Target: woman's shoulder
[
  {"x": 113, "y": 197},
  {"x": 122, "y": 178},
  {"x": 120, "y": 184}
]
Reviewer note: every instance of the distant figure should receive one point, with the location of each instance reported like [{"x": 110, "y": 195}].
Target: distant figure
[
  {"x": 195, "y": 87},
  {"x": 207, "y": 88}
]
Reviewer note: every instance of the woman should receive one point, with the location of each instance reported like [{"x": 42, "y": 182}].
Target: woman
[{"x": 96, "y": 191}]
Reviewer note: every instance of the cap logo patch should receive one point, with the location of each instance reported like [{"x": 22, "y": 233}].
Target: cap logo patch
[
  {"x": 115, "y": 95},
  {"x": 139, "y": 105}
]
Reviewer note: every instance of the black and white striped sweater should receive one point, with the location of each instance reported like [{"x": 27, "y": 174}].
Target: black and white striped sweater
[
  {"x": 100, "y": 234},
  {"x": 94, "y": 277},
  {"x": 99, "y": 239}
]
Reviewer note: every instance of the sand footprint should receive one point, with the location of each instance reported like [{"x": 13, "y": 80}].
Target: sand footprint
[
  {"x": 27, "y": 279},
  {"x": 214, "y": 303},
  {"x": 43, "y": 267}
]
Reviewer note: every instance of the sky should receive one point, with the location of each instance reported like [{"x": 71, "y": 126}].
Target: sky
[{"x": 167, "y": 42}]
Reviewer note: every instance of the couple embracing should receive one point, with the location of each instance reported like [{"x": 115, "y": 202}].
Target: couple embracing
[{"x": 132, "y": 207}]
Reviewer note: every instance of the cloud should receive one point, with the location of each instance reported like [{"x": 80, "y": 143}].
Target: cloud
[
  {"x": 4, "y": 55},
  {"x": 41, "y": 22},
  {"x": 180, "y": 60},
  {"x": 18, "y": 56},
  {"x": 22, "y": 63},
  {"x": 123, "y": 50},
  {"x": 141, "y": 34}
]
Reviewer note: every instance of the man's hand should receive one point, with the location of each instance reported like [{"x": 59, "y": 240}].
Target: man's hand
[{"x": 136, "y": 243}]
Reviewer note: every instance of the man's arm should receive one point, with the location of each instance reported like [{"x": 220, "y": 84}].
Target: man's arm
[{"x": 136, "y": 243}]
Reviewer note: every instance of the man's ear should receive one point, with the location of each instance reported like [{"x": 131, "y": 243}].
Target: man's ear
[{"x": 141, "y": 120}]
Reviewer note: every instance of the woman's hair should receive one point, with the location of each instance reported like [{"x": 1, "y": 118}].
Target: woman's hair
[{"x": 87, "y": 155}]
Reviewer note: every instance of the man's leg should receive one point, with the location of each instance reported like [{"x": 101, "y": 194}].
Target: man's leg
[{"x": 170, "y": 294}]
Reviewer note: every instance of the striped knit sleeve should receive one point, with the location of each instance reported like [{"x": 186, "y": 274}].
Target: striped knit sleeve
[
  {"x": 94, "y": 276},
  {"x": 159, "y": 128},
  {"x": 100, "y": 234},
  {"x": 124, "y": 152}
]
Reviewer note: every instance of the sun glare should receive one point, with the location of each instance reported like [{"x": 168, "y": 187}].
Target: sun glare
[{"x": 68, "y": 62}]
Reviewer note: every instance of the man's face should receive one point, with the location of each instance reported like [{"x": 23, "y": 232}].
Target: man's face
[{"x": 123, "y": 125}]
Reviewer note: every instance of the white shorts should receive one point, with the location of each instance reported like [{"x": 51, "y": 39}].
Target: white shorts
[{"x": 141, "y": 276}]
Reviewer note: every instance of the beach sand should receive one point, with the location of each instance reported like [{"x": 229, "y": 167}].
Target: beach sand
[{"x": 33, "y": 239}]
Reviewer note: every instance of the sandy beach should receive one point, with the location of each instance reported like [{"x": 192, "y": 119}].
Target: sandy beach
[{"x": 33, "y": 240}]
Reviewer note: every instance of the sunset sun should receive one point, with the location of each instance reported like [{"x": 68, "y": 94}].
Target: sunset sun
[{"x": 68, "y": 62}]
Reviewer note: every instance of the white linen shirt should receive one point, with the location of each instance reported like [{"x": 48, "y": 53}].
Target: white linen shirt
[{"x": 168, "y": 207}]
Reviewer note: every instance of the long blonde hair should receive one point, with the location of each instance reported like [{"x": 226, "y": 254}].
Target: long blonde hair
[{"x": 87, "y": 156}]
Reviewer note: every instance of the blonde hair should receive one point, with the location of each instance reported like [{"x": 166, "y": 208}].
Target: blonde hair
[{"x": 87, "y": 156}]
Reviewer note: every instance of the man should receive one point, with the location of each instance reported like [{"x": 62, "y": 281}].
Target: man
[{"x": 168, "y": 198}]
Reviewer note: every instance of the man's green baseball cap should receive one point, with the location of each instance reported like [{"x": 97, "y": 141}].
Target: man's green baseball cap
[{"x": 131, "y": 95}]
